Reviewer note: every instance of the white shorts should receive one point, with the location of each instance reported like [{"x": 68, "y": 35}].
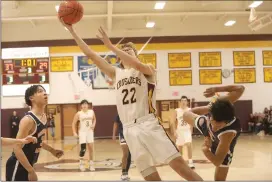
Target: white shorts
[
  {"x": 183, "y": 136},
  {"x": 149, "y": 144},
  {"x": 86, "y": 137}
]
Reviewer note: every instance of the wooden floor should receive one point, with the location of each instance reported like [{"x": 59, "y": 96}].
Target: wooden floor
[{"x": 252, "y": 161}]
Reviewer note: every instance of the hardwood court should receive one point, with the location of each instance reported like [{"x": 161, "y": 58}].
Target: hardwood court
[{"x": 252, "y": 161}]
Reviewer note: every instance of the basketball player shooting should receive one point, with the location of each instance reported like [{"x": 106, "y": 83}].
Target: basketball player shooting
[
  {"x": 183, "y": 130},
  {"x": 12, "y": 141},
  {"x": 221, "y": 131},
  {"x": 126, "y": 159},
  {"x": 135, "y": 96},
  {"x": 19, "y": 166},
  {"x": 87, "y": 120}
]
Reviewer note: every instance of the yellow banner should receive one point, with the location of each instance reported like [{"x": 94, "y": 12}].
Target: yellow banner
[
  {"x": 179, "y": 60},
  {"x": 210, "y": 59},
  {"x": 244, "y": 75},
  {"x": 149, "y": 59},
  {"x": 180, "y": 77},
  {"x": 210, "y": 76},
  {"x": 61, "y": 64},
  {"x": 267, "y": 58},
  {"x": 244, "y": 58},
  {"x": 268, "y": 75}
]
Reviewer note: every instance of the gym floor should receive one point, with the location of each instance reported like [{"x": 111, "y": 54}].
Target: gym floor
[{"x": 252, "y": 161}]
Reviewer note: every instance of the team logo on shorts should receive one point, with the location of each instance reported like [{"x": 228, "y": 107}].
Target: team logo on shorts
[{"x": 72, "y": 165}]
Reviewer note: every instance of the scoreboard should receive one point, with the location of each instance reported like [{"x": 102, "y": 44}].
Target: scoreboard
[{"x": 25, "y": 71}]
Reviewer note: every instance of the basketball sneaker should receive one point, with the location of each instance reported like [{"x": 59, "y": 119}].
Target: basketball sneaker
[
  {"x": 125, "y": 177},
  {"x": 191, "y": 165},
  {"x": 91, "y": 166},
  {"x": 82, "y": 167}
]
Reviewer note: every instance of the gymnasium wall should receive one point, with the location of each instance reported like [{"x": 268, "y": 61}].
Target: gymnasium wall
[{"x": 61, "y": 90}]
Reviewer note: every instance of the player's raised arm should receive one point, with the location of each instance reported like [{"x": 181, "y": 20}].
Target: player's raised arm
[
  {"x": 102, "y": 64},
  {"x": 234, "y": 92},
  {"x": 132, "y": 61}
]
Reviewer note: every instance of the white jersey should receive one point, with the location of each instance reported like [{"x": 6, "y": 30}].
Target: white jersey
[
  {"x": 86, "y": 120},
  {"x": 181, "y": 123},
  {"x": 135, "y": 96}
]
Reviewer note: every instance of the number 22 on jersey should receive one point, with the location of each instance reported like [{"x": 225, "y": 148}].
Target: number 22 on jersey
[{"x": 129, "y": 96}]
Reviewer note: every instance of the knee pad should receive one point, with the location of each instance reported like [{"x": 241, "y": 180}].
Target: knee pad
[{"x": 82, "y": 150}]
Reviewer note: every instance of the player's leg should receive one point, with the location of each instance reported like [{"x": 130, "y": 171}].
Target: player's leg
[
  {"x": 221, "y": 173},
  {"x": 190, "y": 155},
  {"x": 90, "y": 145},
  {"x": 179, "y": 165},
  {"x": 83, "y": 147},
  {"x": 180, "y": 148},
  {"x": 91, "y": 156},
  {"x": 52, "y": 132},
  {"x": 188, "y": 144},
  {"x": 142, "y": 157},
  {"x": 154, "y": 176},
  {"x": 180, "y": 141},
  {"x": 145, "y": 164},
  {"x": 166, "y": 152},
  {"x": 126, "y": 161}
]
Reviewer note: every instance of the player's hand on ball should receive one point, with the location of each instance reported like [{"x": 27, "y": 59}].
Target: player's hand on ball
[
  {"x": 104, "y": 37},
  {"x": 29, "y": 139},
  {"x": 32, "y": 176},
  {"x": 58, "y": 153},
  {"x": 69, "y": 27},
  {"x": 209, "y": 92}
]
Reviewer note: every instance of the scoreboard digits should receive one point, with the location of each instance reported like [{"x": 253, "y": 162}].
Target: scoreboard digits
[{"x": 25, "y": 71}]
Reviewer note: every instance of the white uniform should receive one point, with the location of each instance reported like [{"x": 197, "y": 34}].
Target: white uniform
[
  {"x": 146, "y": 138},
  {"x": 86, "y": 134},
  {"x": 183, "y": 131}
]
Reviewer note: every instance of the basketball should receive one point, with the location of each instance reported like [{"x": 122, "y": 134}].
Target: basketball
[{"x": 70, "y": 11}]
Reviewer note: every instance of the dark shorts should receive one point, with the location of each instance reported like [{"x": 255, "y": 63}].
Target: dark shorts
[
  {"x": 201, "y": 125},
  {"x": 15, "y": 171}
]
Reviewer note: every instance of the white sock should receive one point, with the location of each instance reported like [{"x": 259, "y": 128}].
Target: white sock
[
  {"x": 91, "y": 163},
  {"x": 190, "y": 161}
]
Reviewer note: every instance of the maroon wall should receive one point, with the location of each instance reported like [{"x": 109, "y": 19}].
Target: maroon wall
[
  {"x": 105, "y": 116},
  {"x": 5, "y": 117}
]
